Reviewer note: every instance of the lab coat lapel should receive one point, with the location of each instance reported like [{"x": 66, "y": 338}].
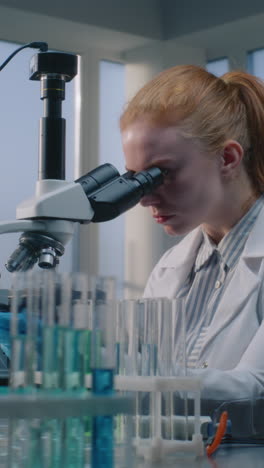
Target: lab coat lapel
[
  {"x": 181, "y": 259},
  {"x": 236, "y": 296},
  {"x": 246, "y": 280}
]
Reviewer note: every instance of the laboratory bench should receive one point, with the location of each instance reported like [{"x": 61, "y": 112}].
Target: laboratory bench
[{"x": 225, "y": 457}]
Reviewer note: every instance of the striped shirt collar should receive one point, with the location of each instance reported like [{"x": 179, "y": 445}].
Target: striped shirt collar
[{"x": 232, "y": 244}]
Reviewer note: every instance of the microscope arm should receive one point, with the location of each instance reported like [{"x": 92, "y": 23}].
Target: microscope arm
[
  {"x": 60, "y": 230},
  {"x": 20, "y": 225},
  {"x": 53, "y": 210},
  {"x": 57, "y": 199}
]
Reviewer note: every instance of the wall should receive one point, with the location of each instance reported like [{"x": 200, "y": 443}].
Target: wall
[{"x": 232, "y": 39}]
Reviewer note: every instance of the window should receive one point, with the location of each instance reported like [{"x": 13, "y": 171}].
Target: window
[
  {"x": 255, "y": 63},
  {"x": 218, "y": 67}
]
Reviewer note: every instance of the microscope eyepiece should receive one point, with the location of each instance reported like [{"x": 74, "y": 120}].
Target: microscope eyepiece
[
  {"x": 148, "y": 180},
  {"x": 98, "y": 177},
  {"x": 122, "y": 192}
]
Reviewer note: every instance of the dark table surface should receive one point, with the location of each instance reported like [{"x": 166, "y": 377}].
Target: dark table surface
[{"x": 224, "y": 457}]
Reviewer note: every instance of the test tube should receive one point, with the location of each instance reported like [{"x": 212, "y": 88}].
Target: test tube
[
  {"x": 3, "y": 437},
  {"x": 74, "y": 348},
  {"x": 74, "y": 312},
  {"x": 127, "y": 337},
  {"x": 127, "y": 356},
  {"x": 102, "y": 288},
  {"x": 51, "y": 430},
  {"x": 179, "y": 362},
  {"x": 24, "y": 440},
  {"x": 50, "y": 358},
  {"x": 162, "y": 415},
  {"x": 103, "y": 363},
  {"x": 148, "y": 347},
  {"x": 25, "y": 300}
]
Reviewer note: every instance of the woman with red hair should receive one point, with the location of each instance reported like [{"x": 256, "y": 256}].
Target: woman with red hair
[{"x": 207, "y": 134}]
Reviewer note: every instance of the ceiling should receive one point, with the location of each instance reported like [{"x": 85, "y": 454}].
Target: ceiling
[
  {"x": 189, "y": 16},
  {"x": 155, "y": 19}
]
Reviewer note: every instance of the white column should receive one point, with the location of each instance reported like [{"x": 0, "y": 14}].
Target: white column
[
  {"x": 88, "y": 152},
  {"x": 87, "y": 245}
]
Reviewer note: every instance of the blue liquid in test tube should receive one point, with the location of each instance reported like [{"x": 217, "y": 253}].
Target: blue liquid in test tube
[
  {"x": 103, "y": 426},
  {"x": 103, "y": 363},
  {"x": 74, "y": 346}
]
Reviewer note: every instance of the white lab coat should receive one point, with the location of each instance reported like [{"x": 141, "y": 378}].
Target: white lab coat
[{"x": 233, "y": 350}]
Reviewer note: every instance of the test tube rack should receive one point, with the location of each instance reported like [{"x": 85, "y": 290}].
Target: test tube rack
[{"x": 157, "y": 449}]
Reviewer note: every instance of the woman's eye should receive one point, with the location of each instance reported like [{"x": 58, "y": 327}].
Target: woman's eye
[
  {"x": 166, "y": 176},
  {"x": 168, "y": 173},
  {"x": 165, "y": 173}
]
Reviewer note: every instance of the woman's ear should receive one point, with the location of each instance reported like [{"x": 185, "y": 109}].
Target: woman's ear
[{"x": 231, "y": 157}]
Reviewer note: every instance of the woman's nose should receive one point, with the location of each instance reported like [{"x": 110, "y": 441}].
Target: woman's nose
[{"x": 149, "y": 200}]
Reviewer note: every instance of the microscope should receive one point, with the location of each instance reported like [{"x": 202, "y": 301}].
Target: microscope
[{"x": 47, "y": 220}]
